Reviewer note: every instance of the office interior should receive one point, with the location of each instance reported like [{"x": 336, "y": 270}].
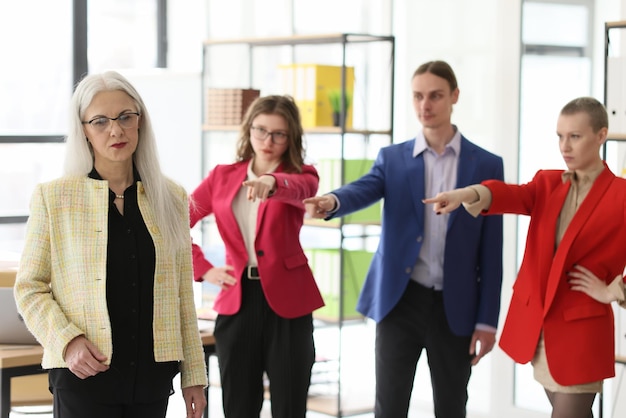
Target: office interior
[{"x": 517, "y": 63}]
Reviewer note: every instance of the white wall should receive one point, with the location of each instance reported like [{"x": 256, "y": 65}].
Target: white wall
[
  {"x": 480, "y": 39},
  {"x": 173, "y": 99}
]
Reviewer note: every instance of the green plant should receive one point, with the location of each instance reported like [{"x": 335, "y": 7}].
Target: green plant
[{"x": 335, "y": 100}]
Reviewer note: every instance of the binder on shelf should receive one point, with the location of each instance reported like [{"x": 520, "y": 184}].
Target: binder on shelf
[
  {"x": 317, "y": 92},
  {"x": 615, "y": 96}
]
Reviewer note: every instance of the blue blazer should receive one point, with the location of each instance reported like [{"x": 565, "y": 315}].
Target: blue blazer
[{"x": 473, "y": 252}]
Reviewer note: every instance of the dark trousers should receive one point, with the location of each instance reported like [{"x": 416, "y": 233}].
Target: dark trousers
[
  {"x": 256, "y": 340},
  {"x": 419, "y": 322},
  {"x": 69, "y": 404}
]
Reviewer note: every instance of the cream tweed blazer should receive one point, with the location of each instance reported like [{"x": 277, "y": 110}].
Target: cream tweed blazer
[{"x": 60, "y": 287}]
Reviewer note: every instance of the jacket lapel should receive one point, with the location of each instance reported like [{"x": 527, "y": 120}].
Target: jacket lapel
[
  {"x": 465, "y": 172},
  {"x": 232, "y": 185},
  {"x": 584, "y": 212},
  {"x": 263, "y": 206},
  {"x": 415, "y": 174}
]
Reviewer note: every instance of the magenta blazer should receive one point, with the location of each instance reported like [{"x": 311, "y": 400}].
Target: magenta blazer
[{"x": 286, "y": 278}]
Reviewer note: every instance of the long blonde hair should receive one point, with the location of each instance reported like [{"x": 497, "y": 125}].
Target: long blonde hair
[{"x": 168, "y": 207}]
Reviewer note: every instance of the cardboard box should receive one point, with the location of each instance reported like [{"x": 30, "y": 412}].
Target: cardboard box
[
  {"x": 326, "y": 266},
  {"x": 329, "y": 171},
  {"x": 312, "y": 87},
  {"x": 228, "y": 106}
]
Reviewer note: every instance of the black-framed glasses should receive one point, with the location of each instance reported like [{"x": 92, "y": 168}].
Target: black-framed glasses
[
  {"x": 126, "y": 120},
  {"x": 261, "y": 134}
]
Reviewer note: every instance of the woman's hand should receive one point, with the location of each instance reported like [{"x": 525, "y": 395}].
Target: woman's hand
[
  {"x": 83, "y": 358},
  {"x": 195, "y": 401},
  {"x": 446, "y": 202},
  {"x": 260, "y": 188},
  {"x": 220, "y": 276},
  {"x": 583, "y": 280}
]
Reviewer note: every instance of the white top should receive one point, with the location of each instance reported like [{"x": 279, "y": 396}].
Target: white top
[{"x": 246, "y": 212}]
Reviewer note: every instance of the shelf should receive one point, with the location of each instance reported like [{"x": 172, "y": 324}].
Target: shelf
[
  {"x": 616, "y": 24},
  {"x": 301, "y": 40},
  {"x": 320, "y": 223},
  {"x": 616, "y": 137},
  {"x": 341, "y": 154},
  {"x": 318, "y": 130},
  {"x": 614, "y": 96},
  {"x": 328, "y": 404}
]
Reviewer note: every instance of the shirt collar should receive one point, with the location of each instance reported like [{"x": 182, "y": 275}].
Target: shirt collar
[
  {"x": 251, "y": 174},
  {"x": 421, "y": 145},
  {"x": 582, "y": 176},
  {"x": 96, "y": 176}
]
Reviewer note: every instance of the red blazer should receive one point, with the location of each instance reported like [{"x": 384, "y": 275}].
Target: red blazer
[
  {"x": 578, "y": 331},
  {"x": 286, "y": 277}
]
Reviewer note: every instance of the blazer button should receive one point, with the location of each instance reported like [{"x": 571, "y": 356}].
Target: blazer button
[
  {"x": 419, "y": 239},
  {"x": 260, "y": 253},
  {"x": 407, "y": 270}
]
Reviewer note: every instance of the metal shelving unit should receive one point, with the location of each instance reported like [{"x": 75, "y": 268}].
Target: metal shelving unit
[{"x": 251, "y": 63}]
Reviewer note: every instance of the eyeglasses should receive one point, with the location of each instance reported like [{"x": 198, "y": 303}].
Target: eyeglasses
[
  {"x": 125, "y": 120},
  {"x": 261, "y": 134}
]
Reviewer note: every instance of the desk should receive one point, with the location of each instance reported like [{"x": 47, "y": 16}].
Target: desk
[
  {"x": 16, "y": 361},
  {"x": 26, "y": 360}
]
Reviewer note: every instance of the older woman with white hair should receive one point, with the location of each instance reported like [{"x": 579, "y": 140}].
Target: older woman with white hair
[{"x": 105, "y": 279}]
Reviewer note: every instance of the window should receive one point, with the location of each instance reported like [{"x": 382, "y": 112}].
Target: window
[
  {"x": 122, "y": 34},
  {"x": 50, "y": 39},
  {"x": 555, "y": 68}
]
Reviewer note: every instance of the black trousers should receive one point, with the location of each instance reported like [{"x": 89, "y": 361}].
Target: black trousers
[
  {"x": 69, "y": 404},
  {"x": 256, "y": 340},
  {"x": 419, "y": 322}
]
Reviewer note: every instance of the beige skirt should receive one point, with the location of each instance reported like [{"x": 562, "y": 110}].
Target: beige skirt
[{"x": 542, "y": 375}]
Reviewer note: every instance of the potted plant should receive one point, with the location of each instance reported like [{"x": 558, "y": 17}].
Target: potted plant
[{"x": 334, "y": 96}]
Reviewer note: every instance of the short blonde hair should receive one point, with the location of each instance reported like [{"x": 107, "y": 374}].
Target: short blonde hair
[{"x": 598, "y": 117}]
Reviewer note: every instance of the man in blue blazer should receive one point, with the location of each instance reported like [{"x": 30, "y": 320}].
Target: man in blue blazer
[{"x": 435, "y": 280}]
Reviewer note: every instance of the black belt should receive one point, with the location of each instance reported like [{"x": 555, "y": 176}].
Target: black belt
[{"x": 252, "y": 273}]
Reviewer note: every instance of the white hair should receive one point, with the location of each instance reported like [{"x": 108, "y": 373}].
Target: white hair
[{"x": 79, "y": 158}]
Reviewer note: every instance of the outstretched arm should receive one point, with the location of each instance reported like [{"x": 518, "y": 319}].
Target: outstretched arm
[{"x": 260, "y": 188}]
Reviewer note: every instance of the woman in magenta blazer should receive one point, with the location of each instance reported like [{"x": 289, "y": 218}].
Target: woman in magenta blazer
[
  {"x": 268, "y": 292},
  {"x": 560, "y": 316}
]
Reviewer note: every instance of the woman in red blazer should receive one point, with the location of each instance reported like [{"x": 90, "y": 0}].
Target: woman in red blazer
[
  {"x": 268, "y": 292},
  {"x": 560, "y": 316}
]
